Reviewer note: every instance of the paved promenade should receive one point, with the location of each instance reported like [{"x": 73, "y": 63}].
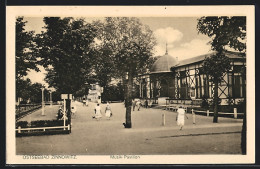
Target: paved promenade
[{"x": 147, "y": 135}]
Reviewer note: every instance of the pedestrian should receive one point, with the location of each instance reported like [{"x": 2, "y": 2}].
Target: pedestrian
[
  {"x": 84, "y": 102},
  {"x": 138, "y": 104},
  {"x": 98, "y": 114},
  {"x": 146, "y": 103},
  {"x": 133, "y": 104},
  {"x": 73, "y": 109},
  {"x": 60, "y": 113},
  {"x": 108, "y": 111},
  {"x": 180, "y": 117}
]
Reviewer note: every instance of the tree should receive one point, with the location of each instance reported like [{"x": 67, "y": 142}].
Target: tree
[
  {"x": 215, "y": 66},
  {"x": 227, "y": 32},
  {"x": 24, "y": 57},
  {"x": 104, "y": 69},
  {"x": 36, "y": 92},
  {"x": 130, "y": 44},
  {"x": 65, "y": 49}
]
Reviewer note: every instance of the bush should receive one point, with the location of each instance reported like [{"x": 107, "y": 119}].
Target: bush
[
  {"x": 205, "y": 103},
  {"x": 22, "y": 124}
]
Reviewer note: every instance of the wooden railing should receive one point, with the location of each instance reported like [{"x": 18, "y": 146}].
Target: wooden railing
[{"x": 42, "y": 128}]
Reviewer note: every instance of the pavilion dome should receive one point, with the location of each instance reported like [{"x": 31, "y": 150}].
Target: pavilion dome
[{"x": 164, "y": 64}]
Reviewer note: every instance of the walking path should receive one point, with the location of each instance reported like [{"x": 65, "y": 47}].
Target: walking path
[
  {"x": 50, "y": 113},
  {"x": 147, "y": 135}
]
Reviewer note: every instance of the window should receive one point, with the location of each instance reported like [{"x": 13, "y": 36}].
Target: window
[
  {"x": 198, "y": 87},
  {"x": 235, "y": 82},
  {"x": 183, "y": 86},
  {"x": 237, "y": 85}
]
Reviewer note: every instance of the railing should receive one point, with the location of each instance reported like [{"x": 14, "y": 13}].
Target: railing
[
  {"x": 207, "y": 112},
  {"x": 235, "y": 114},
  {"x": 151, "y": 101},
  {"x": 183, "y": 101},
  {"x": 173, "y": 104},
  {"x": 42, "y": 128}
]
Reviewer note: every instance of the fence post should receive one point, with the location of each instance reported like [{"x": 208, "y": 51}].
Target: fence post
[
  {"x": 193, "y": 116},
  {"x": 235, "y": 113},
  {"x": 163, "y": 119},
  {"x": 208, "y": 113},
  {"x": 19, "y": 129}
]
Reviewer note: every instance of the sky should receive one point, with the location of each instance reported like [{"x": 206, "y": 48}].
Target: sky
[{"x": 180, "y": 34}]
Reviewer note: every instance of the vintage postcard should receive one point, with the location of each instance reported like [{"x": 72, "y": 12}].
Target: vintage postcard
[{"x": 130, "y": 85}]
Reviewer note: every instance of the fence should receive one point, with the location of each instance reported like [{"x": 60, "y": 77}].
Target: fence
[
  {"x": 235, "y": 114},
  {"x": 25, "y": 109},
  {"x": 42, "y": 128}
]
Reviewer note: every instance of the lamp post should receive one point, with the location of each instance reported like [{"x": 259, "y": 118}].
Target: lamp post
[
  {"x": 51, "y": 98},
  {"x": 42, "y": 101}
]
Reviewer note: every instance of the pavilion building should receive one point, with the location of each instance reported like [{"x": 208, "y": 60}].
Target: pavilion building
[{"x": 187, "y": 81}]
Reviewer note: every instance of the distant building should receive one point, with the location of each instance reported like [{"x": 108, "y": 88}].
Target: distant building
[
  {"x": 94, "y": 93},
  {"x": 188, "y": 82}
]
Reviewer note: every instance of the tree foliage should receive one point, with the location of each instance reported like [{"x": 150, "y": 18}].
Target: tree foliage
[
  {"x": 28, "y": 90},
  {"x": 24, "y": 49},
  {"x": 66, "y": 52},
  {"x": 225, "y": 32},
  {"x": 216, "y": 65},
  {"x": 24, "y": 57},
  {"x": 130, "y": 44}
]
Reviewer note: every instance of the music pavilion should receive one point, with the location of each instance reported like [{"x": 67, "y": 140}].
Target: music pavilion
[{"x": 187, "y": 82}]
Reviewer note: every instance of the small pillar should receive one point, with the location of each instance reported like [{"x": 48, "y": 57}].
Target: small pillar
[
  {"x": 163, "y": 119},
  {"x": 235, "y": 113},
  {"x": 19, "y": 129},
  {"x": 193, "y": 116},
  {"x": 208, "y": 113}
]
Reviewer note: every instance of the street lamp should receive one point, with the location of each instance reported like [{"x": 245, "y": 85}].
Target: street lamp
[
  {"x": 42, "y": 101},
  {"x": 51, "y": 98}
]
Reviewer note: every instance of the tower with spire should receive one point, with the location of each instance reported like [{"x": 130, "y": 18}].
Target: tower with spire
[{"x": 166, "y": 53}]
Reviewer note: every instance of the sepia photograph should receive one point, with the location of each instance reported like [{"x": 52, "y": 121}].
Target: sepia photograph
[{"x": 130, "y": 85}]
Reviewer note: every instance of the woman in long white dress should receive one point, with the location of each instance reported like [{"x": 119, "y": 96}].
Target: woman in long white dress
[
  {"x": 98, "y": 114},
  {"x": 108, "y": 111},
  {"x": 180, "y": 117}
]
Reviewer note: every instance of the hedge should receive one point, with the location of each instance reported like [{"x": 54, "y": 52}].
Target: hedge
[{"x": 40, "y": 123}]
